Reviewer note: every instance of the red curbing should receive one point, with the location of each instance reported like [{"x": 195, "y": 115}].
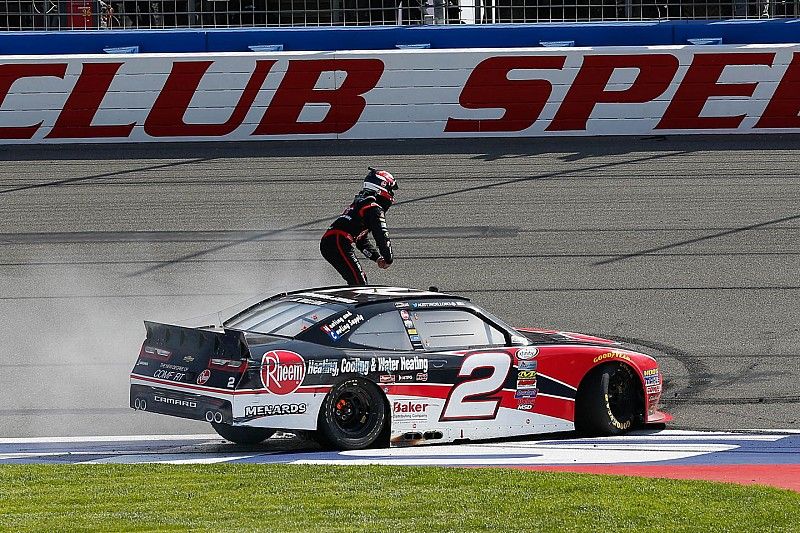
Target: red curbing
[{"x": 782, "y": 476}]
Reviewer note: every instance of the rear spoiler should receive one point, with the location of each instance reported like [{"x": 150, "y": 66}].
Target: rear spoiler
[{"x": 201, "y": 343}]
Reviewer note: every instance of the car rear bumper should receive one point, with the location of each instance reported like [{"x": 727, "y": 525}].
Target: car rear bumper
[{"x": 181, "y": 404}]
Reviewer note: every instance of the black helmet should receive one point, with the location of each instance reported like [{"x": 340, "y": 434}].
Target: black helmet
[{"x": 382, "y": 184}]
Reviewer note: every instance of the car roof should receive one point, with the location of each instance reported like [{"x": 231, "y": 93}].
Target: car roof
[{"x": 369, "y": 294}]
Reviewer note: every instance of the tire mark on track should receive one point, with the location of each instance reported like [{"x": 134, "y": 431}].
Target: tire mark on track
[{"x": 698, "y": 371}]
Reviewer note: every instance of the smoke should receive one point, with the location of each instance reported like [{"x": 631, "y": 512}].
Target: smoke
[{"x": 73, "y": 323}]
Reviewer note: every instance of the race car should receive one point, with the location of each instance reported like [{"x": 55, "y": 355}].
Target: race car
[{"x": 358, "y": 367}]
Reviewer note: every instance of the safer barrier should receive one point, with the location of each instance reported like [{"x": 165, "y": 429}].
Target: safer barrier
[
  {"x": 400, "y": 94},
  {"x": 389, "y": 37}
]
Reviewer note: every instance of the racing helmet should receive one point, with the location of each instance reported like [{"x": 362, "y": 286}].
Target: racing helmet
[{"x": 382, "y": 184}]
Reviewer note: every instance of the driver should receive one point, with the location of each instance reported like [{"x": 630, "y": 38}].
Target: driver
[{"x": 351, "y": 230}]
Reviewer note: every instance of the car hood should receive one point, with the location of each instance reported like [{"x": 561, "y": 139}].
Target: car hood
[{"x": 544, "y": 336}]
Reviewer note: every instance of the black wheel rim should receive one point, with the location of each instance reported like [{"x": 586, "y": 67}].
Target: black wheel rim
[
  {"x": 621, "y": 395},
  {"x": 352, "y": 412}
]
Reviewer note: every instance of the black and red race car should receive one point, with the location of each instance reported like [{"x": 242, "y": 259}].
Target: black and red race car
[{"x": 364, "y": 366}]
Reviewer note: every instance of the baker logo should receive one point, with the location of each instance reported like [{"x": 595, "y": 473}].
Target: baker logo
[
  {"x": 282, "y": 371},
  {"x": 203, "y": 376}
]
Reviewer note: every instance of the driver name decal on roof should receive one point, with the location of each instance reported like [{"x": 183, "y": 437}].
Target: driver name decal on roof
[
  {"x": 282, "y": 371},
  {"x": 451, "y": 303}
]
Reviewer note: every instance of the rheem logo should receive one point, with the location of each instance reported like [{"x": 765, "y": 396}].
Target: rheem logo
[{"x": 282, "y": 371}]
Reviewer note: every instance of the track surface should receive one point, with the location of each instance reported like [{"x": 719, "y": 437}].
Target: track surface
[
  {"x": 689, "y": 246},
  {"x": 743, "y": 457}
]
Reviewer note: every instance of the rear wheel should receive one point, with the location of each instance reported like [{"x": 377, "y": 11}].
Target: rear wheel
[
  {"x": 608, "y": 401},
  {"x": 353, "y": 415},
  {"x": 242, "y": 434}
]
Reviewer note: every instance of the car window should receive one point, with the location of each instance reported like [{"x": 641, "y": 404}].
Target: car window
[
  {"x": 287, "y": 318},
  {"x": 453, "y": 328},
  {"x": 385, "y": 331}
]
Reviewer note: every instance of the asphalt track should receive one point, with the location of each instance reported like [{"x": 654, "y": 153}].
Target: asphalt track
[{"x": 687, "y": 246}]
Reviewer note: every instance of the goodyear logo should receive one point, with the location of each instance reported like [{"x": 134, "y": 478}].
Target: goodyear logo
[{"x": 611, "y": 355}]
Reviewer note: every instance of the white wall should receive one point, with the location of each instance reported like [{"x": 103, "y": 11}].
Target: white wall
[{"x": 400, "y": 93}]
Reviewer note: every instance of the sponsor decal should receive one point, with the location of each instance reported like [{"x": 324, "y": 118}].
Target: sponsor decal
[
  {"x": 525, "y": 406},
  {"x": 405, "y": 377},
  {"x": 526, "y": 383},
  {"x": 408, "y": 324},
  {"x": 422, "y": 305},
  {"x": 401, "y": 305},
  {"x": 404, "y": 314},
  {"x": 387, "y": 364},
  {"x": 528, "y": 365},
  {"x": 323, "y": 366},
  {"x": 525, "y": 393},
  {"x": 174, "y": 367},
  {"x": 412, "y": 332},
  {"x": 356, "y": 365},
  {"x": 282, "y": 371},
  {"x": 611, "y": 355},
  {"x": 203, "y": 376},
  {"x": 142, "y": 363},
  {"x": 414, "y": 338},
  {"x": 275, "y": 410},
  {"x": 330, "y": 298},
  {"x": 651, "y": 377},
  {"x": 188, "y": 359},
  {"x": 308, "y": 301},
  {"x": 342, "y": 325},
  {"x": 653, "y": 389},
  {"x": 386, "y": 378},
  {"x": 410, "y": 409},
  {"x": 394, "y": 364},
  {"x": 422, "y": 376},
  {"x": 414, "y": 363},
  {"x": 526, "y": 374},
  {"x": 169, "y": 375},
  {"x": 191, "y": 404},
  {"x": 524, "y": 354}
]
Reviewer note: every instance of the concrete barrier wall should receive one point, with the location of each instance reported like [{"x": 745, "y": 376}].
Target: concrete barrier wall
[{"x": 400, "y": 94}]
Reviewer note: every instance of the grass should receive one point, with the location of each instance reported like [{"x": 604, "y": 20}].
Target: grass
[{"x": 287, "y": 498}]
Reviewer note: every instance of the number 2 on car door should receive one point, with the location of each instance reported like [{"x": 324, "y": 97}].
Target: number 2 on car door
[{"x": 472, "y": 399}]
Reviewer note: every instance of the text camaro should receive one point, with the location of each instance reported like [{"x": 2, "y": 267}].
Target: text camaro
[{"x": 384, "y": 365}]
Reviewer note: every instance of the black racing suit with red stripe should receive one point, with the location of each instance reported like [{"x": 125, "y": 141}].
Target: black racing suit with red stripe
[{"x": 351, "y": 230}]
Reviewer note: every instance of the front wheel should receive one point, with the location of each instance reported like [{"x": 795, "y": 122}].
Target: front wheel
[
  {"x": 608, "y": 401},
  {"x": 353, "y": 415},
  {"x": 242, "y": 434}
]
